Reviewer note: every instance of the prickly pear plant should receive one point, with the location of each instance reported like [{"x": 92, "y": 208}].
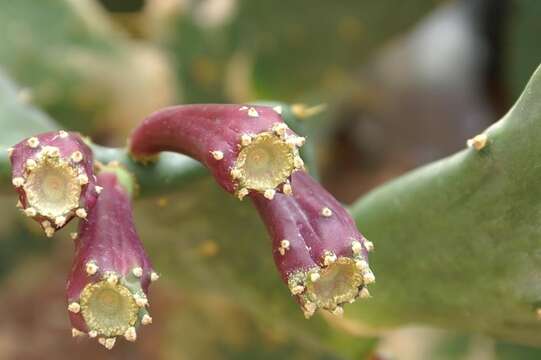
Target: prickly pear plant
[{"x": 461, "y": 231}]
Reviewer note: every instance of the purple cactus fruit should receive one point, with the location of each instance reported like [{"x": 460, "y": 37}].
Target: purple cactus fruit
[
  {"x": 247, "y": 148},
  {"x": 108, "y": 286},
  {"x": 317, "y": 248},
  {"x": 54, "y": 177}
]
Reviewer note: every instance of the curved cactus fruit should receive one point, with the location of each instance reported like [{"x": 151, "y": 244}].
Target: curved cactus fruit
[
  {"x": 54, "y": 177},
  {"x": 247, "y": 148},
  {"x": 108, "y": 285},
  {"x": 317, "y": 248}
]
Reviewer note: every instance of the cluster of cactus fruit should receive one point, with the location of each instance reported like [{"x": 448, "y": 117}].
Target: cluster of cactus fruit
[{"x": 249, "y": 150}]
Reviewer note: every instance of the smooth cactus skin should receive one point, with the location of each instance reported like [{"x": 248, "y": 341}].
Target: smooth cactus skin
[
  {"x": 227, "y": 139},
  {"x": 458, "y": 240},
  {"x": 108, "y": 286},
  {"x": 317, "y": 248},
  {"x": 53, "y": 174},
  {"x": 167, "y": 173}
]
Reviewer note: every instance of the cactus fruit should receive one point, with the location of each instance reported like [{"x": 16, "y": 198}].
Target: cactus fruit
[
  {"x": 317, "y": 248},
  {"x": 247, "y": 148},
  {"x": 108, "y": 285},
  {"x": 54, "y": 177},
  {"x": 250, "y": 151}
]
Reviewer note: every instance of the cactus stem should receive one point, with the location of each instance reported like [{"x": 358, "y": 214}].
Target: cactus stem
[
  {"x": 217, "y": 154},
  {"x": 478, "y": 142}
]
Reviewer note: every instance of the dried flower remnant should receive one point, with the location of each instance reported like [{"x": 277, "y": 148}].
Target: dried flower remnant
[
  {"x": 247, "y": 148},
  {"x": 318, "y": 250},
  {"x": 108, "y": 286},
  {"x": 54, "y": 177}
]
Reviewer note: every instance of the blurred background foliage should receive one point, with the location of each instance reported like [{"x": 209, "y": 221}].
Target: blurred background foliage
[{"x": 403, "y": 83}]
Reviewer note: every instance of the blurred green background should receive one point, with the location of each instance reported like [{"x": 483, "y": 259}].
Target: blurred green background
[{"x": 403, "y": 83}]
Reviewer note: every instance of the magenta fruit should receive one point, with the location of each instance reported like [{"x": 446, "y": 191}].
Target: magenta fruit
[
  {"x": 317, "y": 248},
  {"x": 54, "y": 177},
  {"x": 108, "y": 286}
]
